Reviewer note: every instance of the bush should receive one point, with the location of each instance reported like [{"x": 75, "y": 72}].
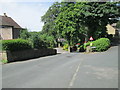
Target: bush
[
  {"x": 4, "y": 61},
  {"x": 101, "y": 44},
  {"x": 65, "y": 47},
  {"x": 15, "y": 45},
  {"x": 49, "y": 41},
  {"x": 86, "y": 44},
  {"x": 38, "y": 43}
]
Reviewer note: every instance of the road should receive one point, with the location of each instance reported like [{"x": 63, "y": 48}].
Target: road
[{"x": 68, "y": 70}]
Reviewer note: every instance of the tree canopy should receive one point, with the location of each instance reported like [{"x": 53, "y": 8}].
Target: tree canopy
[{"x": 77, "y": 20}]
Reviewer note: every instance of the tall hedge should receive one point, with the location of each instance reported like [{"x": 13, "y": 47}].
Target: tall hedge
[{"x": 15, "y": 45}]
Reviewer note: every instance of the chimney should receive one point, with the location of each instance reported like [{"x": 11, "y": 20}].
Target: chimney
[{"x": 5, "y": 14}]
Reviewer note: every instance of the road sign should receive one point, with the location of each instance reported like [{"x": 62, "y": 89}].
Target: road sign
[{"x": 91, "y": 38}]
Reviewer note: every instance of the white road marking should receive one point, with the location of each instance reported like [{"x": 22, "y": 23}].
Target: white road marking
[{"x": 74, "y": 76}]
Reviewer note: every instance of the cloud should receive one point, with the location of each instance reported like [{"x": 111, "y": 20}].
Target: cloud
[{"x": 26, "y": 14}]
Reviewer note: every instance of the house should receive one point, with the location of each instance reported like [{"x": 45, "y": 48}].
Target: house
[
  {"x": 9, "y": 29},
  {"x": 112, "y": 30}
]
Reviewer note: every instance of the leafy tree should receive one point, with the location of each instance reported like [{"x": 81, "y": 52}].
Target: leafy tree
[
  {"x": 85, "y": 18},
  {"x": 34, "y": 39},
  {"x": 49, "y": 18},
  {"x": 37, "y": 42},
  {"x": 24, "y": 34},
  {"x": 49, "y": 40}
]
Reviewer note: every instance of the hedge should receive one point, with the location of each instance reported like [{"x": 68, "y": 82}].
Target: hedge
[
  {"x": 15, "y": 45},
  {"x": 101, "y": 44}
]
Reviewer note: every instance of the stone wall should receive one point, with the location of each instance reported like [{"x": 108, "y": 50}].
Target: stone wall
[{"x": 27, "y": 54}]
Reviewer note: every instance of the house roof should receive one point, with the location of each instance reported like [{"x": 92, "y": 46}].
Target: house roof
[{"x": 8, "y": 21}]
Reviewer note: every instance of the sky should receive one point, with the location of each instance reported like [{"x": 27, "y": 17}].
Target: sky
[{"x": 26, "y": 14}]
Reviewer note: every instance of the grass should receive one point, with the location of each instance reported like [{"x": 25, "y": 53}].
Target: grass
[{"x": 4, "y": 61}]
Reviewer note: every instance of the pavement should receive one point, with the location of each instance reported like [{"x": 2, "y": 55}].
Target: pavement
[
  {"x": 66, "y": 70},
  {"x": 61, "y": 51}
]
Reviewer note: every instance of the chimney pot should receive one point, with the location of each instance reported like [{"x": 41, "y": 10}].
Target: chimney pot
[{"x": 5, "y": 14}]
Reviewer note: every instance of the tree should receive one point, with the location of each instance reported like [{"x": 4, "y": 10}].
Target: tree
[
  {"x": 49, "y": 40},
  {"x": 49, "y": 18},
  {"x": 85, "y": 18},
  {"x": 34, "y": 39},
  {"x": 38, "y": 42},
  {"x": 24, "y": 34}
]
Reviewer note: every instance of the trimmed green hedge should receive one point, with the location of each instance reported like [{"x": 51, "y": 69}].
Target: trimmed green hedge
[
  {"x": 15, "y": 45},
  {"x": 101, "y": 44}
]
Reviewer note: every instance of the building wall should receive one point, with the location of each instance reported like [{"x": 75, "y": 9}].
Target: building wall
[
  {"x": 6, "y": 33},
  {"x": 16, "y": 33},
  {"x": 111, "y": 30}
]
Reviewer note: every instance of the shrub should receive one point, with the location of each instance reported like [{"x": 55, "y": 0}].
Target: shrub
[
  {"x": 4, "y": 61},
  {"x": 86, "y": 44},
  {"x": 101, "y": 44},
  {"x": 15, "y": 45},
  {"x": 65, "y": 47},
  {"x": 49, "y": 41},
  {"x": 38, "y": 43}
]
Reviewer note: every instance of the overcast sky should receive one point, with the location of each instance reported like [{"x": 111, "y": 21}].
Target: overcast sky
[{"x": 26, "y": 14}]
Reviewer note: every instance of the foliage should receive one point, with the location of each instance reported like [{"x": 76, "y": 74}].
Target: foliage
[
  {"x": 4, "y": 61},
  {"x": 49, "y": 19},
  {"x": 38, "y": 39},
  {"x": 87, "y": 44},
  {"x": 49, "y": 40},
  {"x": 15, "y": 45},
  {"x": 77, "y": 20},
  {"x": 37, "y": 42},
  {"x": 118, "y": 24},
  {"x": 65, "y": 47},
  {"x": 101, "y": 44},
  {"x": 24, "y": 34}
]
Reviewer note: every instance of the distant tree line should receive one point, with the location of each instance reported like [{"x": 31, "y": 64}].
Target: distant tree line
[{"x": 38, "y": 39}]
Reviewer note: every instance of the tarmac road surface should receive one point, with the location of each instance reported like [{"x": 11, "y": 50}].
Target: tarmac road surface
[{"x": 67, "y": 70}]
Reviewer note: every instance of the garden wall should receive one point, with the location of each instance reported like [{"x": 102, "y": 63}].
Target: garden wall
[{"x": 27, "y": 54}]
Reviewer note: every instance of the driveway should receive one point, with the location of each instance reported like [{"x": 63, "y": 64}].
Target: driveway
[{"x": 67, "y": 70}]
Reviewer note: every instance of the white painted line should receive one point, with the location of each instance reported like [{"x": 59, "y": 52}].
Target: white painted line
[{"x": 74, "y": 76}]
